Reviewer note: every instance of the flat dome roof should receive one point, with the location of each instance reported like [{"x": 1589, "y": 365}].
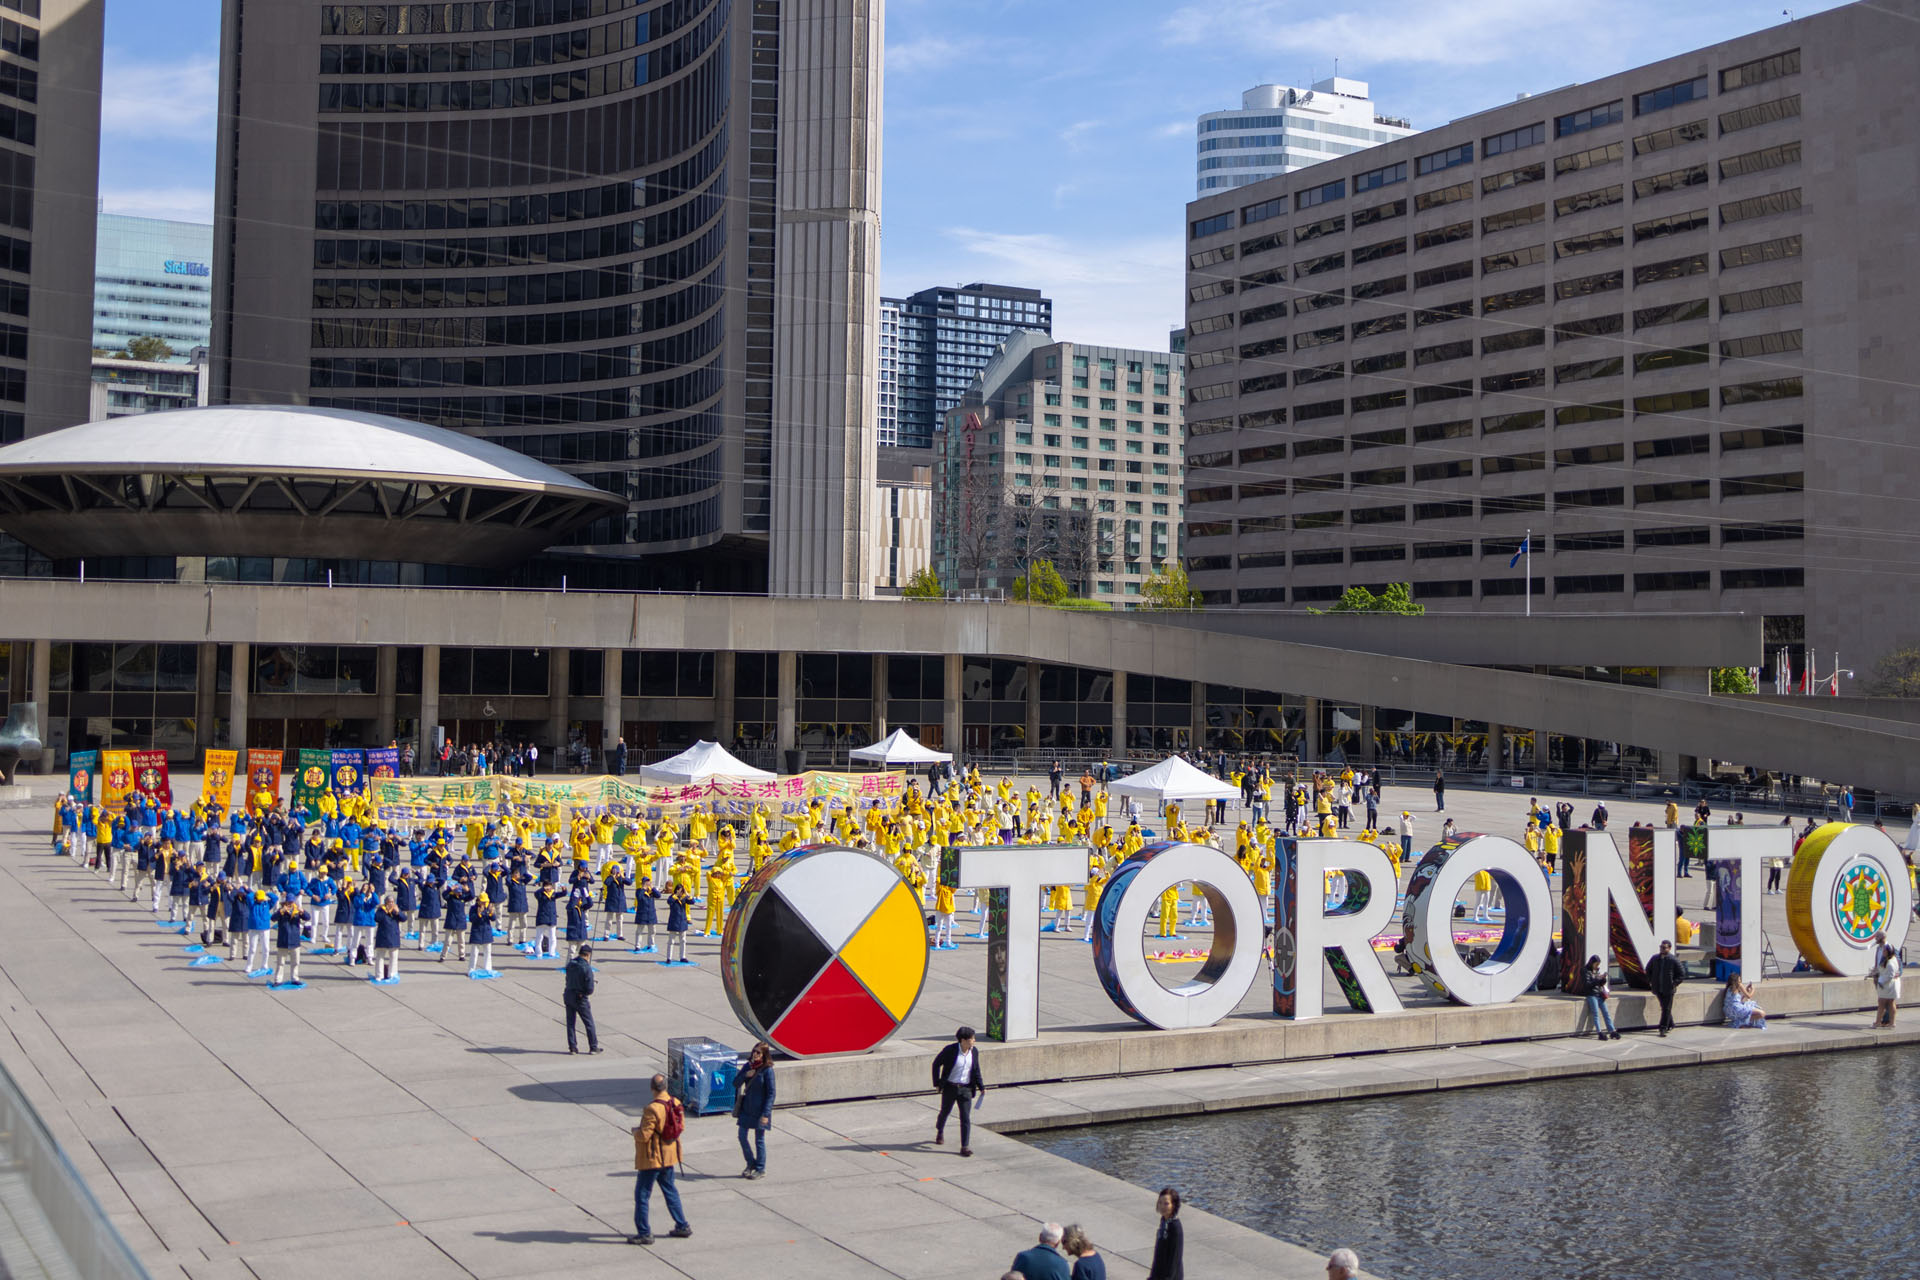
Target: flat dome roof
[{"x": 284, "y": 440}]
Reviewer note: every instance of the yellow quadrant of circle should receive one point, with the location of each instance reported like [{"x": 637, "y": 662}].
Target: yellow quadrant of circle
[{"x": 889, "y": 952}]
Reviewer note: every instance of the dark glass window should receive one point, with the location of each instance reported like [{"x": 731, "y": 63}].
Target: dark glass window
[
  {"x": 1670, "y": 95},
  {"x": 1591, "y": 118}
]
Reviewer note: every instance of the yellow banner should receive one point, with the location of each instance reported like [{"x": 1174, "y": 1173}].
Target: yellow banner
[
  {"x": 216, "y": 784},
  {"x": 429, "y": 798},
  {"x": 116, "y": 779}
]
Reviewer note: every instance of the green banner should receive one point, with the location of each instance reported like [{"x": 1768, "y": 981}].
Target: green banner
[{"x": 310, "y": 778}]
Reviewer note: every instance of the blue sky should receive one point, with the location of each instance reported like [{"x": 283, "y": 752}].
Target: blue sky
[{"x": 1046, "y": 144}]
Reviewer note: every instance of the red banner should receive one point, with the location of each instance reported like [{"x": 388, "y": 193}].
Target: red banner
[
  {"x": 263, "y": 774},
  {"x": 150, "y": 777}
]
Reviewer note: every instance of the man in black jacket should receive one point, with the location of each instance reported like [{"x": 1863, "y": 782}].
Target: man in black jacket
[
  {"x": 956, "y": 1074},
  {"x": 579, "y": 999},
  {"x": 1664, "y": 975}
]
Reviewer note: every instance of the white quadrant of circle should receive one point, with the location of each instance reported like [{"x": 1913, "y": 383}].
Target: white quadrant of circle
[{"x": 834, "y": 890}]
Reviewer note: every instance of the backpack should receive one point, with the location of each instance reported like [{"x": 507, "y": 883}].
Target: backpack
[{"x": 675, "y": 1122}]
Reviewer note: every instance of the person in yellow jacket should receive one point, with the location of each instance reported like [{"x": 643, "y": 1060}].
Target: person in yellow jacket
[
  {"x": 1550, "y": 845},
  {"x": 1483, "y": 897},
  {"x": 603, "y": 829},
  {"x": 1096, "y": 882},
  {"x": 1060, "y": 902},
  {"x": 663, "y": 853},
  {"x": 720, "y": 886},
  {"x": 1169, "y": 910},
  {"x": 943, "y": 919},
  {"x": 758, "y": 849}
]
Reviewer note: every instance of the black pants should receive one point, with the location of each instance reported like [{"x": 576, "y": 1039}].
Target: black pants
[
  {"x": 580, "y": 1007},
  {"x": 950, "y": 1096},
  {"x": 1773, "y": 878},
  {"x": 1666, "y": 1011}
]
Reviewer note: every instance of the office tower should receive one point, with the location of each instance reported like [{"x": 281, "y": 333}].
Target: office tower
[
  {"x": 1066, "y": 452},
  {"x": 1657, "y": 322},
  {"x": 152, "y": 278},
  {"x": 946, "y": 338},
  {"x": 1279, "y": 129},
  {"x": 632, "y": 239},
  {"x": 123, "y": 388},
  {"x": 49, "y": 174}
]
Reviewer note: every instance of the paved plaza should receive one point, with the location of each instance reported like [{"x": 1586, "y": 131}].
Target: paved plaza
[{"x": 438, "y": 1127}]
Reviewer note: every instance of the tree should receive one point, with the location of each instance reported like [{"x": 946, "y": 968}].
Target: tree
[
  {"x": 149, "y": 348},
  {"x": 924, "y": 585},
  {"x": 1733, "y": 680},
  {"x": 1897, "y": 675},
  {"x": 1046, "y": 587},
  {"x": 1167, "y": 588},
  {"x": 1397, "y": 598}
]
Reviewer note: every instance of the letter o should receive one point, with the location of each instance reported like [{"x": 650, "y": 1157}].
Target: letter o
[
  {"x": 1231, "y": 966},
  {"x": 1515, "y": 964},
  {"x": 1847, "y": 883}
]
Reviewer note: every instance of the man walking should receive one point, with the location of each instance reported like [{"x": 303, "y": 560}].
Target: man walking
[
  {"x": 956, "y": 1074},
  {"x": 579, "y": 1002},
  {"x": 656, "y": 1155},
  {"x": 1665, "y": 973}
]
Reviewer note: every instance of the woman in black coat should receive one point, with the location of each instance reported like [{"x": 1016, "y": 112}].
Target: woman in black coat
[
  {"x": 1168, "y": 1242},
  {"x": 753, "y": 1108}
]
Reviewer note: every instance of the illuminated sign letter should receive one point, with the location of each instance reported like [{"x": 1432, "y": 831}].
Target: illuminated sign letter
[
  {"x": 1847, "y": 884},
  {"x": 1016, "y": 874},
  {"x": 1304, "y": 930},
  {"x": 1231, "y": 964},
  {"x": 1515, "y": 964}
]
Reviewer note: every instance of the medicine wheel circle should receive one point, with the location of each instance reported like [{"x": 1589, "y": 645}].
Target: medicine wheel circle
[{"x": 825, "y": 953}]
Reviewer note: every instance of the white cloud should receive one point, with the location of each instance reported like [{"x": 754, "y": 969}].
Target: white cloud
[
  {"x": 181, "y": 204},
  {"x": 1076, "y": 132},
  {"x": 1175, "y": 129},
  {"x": 172, "y": 100},
  {"x": 928, "y": 53},
  {"x": 1458, "y": 33}
]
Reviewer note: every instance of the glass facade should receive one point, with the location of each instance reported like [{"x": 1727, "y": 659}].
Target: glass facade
[
  {"x": 945, "y": 338},
  {"x": 152, "y": 279}
]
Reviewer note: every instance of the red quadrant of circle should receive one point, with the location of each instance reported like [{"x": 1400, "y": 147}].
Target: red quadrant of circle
[{"x": 836, "y": 1015}]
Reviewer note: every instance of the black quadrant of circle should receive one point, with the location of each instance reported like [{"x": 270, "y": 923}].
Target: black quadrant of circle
[{"x": 779, "y": 957}]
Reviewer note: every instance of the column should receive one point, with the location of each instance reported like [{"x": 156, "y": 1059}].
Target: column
[
  {"x": 237, "y": 689},
  {"x": 1368, "y": 724},
  {"x": 788, "y": 694},
  {"x": 612, "y": 713},
  {"x": 950, "y": 706},
  {"x": 40, "y": 689},
  {"x": 1119, "y": 715},
  {"x": 386, "y": 683},
  {"x": 1673, "y": 765},
  {"x": 559, "y": 682},
  {"x": 1031, "y": 740},
  {"x": 879, "y": 696},
  {"x": 1197, "y": 715},
  {"x": 427, "y": 761},
  {"x": 1314, "y": 750},
  {"x": 725, "y": 720},
  {"x": 1496, "y": 745}
]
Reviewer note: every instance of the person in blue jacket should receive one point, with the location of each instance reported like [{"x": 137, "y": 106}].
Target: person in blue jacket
[
  {"x": 613, "y": 901},
  {"x": 430, "y": 911},
  {"x": 579, "y": 908},
  {"x": 457, "y": 897},
  {"x": 753, "y": 1108},
  {"x": 546, "y": 920},
  {"x": 646, "y": 913},
  {"x": 481, "y": 935},
  {"x": 259, "y": 923},
  {"x": 677, "y": 903},
  {"x": 406, "y": 895},
  {"x": 518, "y": 881},
  {"x": 362, "y": 904},
  {"x": 389, "y": 923},
  {"x": 239, "y": 911},
  {"x": 180, "y": 874},
  {"x": 289, "y": 919}
]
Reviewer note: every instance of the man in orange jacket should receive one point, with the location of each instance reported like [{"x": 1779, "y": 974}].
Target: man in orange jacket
[{"x": 656, "y": 1155}]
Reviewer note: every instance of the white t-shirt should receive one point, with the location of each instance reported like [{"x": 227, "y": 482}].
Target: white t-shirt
[{"x": 962, "y": 1072}]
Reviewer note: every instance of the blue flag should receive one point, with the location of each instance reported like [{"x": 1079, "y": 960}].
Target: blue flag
[{"x": 1522, "y": 551}]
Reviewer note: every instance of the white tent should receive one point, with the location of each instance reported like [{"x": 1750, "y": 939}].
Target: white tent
[
  {"x": 898, "y": 747},
  {"x": 1174, "y": 779},
  {"x": 699, "y": 763}
]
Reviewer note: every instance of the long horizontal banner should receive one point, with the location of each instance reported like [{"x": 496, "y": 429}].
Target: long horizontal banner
[{"x": 429, "y": 798}]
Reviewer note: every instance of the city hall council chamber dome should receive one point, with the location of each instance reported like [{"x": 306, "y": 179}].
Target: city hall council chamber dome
[{"x": 264, "y": 480}]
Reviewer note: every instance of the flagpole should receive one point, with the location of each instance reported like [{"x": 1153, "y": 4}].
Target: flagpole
[{"x": 1528, "y": 544}]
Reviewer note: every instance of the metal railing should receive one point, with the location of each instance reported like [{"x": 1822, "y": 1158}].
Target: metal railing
[{"x": 57, "y": 1227}]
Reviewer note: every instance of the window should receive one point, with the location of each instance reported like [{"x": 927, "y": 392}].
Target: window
[
  {"x": 1591, "y": 242},
  {"x": 1760, "y": 438},
  {"x": 1763, "y": 531},
  {"x": 1318, "y": 448},
  {"x": 1430, "y": 432},
  {"x": 1672, "y": 95},
  {"x": 1589, "y": 455},
  {"x": 1442, "y": 235},
  {"x": 1380, "y": 288},
  {"x": 1592, "y": 158},
  {"x": 1760, "y": 161},
  {"x": 1760, "y": 206},
  {"x": 1513, "y": 178},
  {"x": 1666, "y": 139},
  {"x": 1444, "y": 313},
  {"x": 1443, "y": 275},
  {"x": 1691, "y": 535},
  {"x": 1196, "y": 427},
  {"x": 1319, "y": 519},
  {"x": 1434, "y": 162},
  {"x": 1615, "y": 497},
  {"x": 1319, "y": 409},
  {"x": 1671, "y": 269},
  {"x": 1591, "y": 327},
  {"x": 1380, "y": 515},
  {"x": 1443, "y": 351},
  {"x": 1457, "y": 469},
  {"x": 1459, "y": 589},
  {"x": 1325, "y": 193},
  {"x": 1209, "y": 324},
  {"x": 1758, "y": 114},
  {"x": 1574, "y": 415},
  {"x": 1591, "y": 118},
  {"x": 1195, "y": 262},
  {"x": 1518, "y": 380},
  {"x": 1513, "y": 218},
  {"x": 1774, "y": 295},
  {"x": 1671, "y": 447},
  {"x": 1513, "y": 462},
  {"x": 1600, "y": 198},
  {"x": 1500, "y": 424},
  {"x": 1673, "y": 402},
  {"x": 1261, "y": 212},
  {"x": 1379, "y": 439},
  {"x": 1528, "y": 297},
  {"x": 1660, "y": 183},
  {"x": 1368, "y": 555},
  {"x": 1673, "y": 313},
  {"x": 1382, "y": 177},
  {"x": 1271, "y": 311},
  {"x": 1202, "y": 292},
  {"x": 1499, "y": 144},
  {"x": 1380, "y": 212},
  {"x": 1589, "y": 584},
  {"x": 1747, "y": 255},
  {"x": 1672, "y": 491},
  {"x": 1395, "y": 323},
  {"x": 1670, "y": 358},
  {"x": 1512, "y": 340},
  {"x": 1317, "y": 266},
  {"x": 1375, "y": 252},
  {"x": 1758, "y": 392},
  {"x": 1458, "y": 510},
  {"x": 1760, "y": 71},
  {"x": 1674, "y": 580},
  {"x": 1263, "y": 244},
  {"x": 1318, "y": 302},
  {"x": 1319, "y": 338},
  {"x": 1443, "y": 196},
  {"x": 1443, "y": 391},
  {"x": 1760, "y": 344},
  {"x": 1324, "y": 227},
  {"x": 1613, "y": 541},
  {"x": 1585, "y": 286},
  {"x": 1751, "y": 579},
  {"x": 1584, "y": 370},
  {"x": 1213, "y": 226},
  {"x": 1442, "y": 550},
  {"x": 1531, "y": 256}
]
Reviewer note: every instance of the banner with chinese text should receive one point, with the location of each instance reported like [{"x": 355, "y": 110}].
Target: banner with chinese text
[
  {"x": 216, "y": 782},
  {"x": 82, "y": 766},
  {"x": 349, "y": 771},
  {"x": 263, "y": 774},
  {"x": 151, "y": 779},
  {"x": 310, "y": 779},
  {"x": 116, "y": 779}
]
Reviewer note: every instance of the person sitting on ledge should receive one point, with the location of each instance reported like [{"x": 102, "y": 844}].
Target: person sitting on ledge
[{"x": 1739, "y": 1004}]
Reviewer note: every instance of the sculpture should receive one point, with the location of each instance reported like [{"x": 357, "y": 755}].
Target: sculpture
[{"x": 19, "y": 739}]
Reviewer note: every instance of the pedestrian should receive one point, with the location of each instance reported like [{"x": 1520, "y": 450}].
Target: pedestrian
[
  {"x": 1087, "y": 1262},
  {"x": 480, "y": 936},
  {"x": 957, "y": 1077},
  {"x": 1343, "y": 1264},
  {"x": 1406, "y": 836},
  {"x": 1439, "y": 791},
  {"x": 620, "y": 758},
  {"x": 389, "y": 926},
  {"x": 578, "y": 1000},
  {"x": 1664, "y": 975},
  {"x": 753, "y": 1108},
  {"x": 656, "y": 1155},
  {"x": 1169, "y": 1244},
  {"x": 1043, "y": 1260},
  {"x": 1886, "y": 980},
  {"x": 1600, "y": 816},
  {"x": 1597, "y": 993},
  {"x": 678, "y": 900},
  {"x": 289, "y": 918}
]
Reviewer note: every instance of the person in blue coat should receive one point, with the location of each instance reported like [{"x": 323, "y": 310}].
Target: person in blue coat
[
  {"x": 579, "y": 907},
  {"x": 259, "y": 924},
  {"x": 180, "y": 873},
  {"x": 458, "y": 897},
  {"x": 546, "y": 920},
  {"x": 389, "y": 924},
  {"x": 430, "y": 912},
  {"x": 324, "y": 894},
  {"x": 518, "y": 882},
  {"x": 480, "y": 934},
  {"x": 361, "y": 905},
  {"x": 753, "y": 1108},
  {"x": 289, "y": 919},
  {"x": 646, "y": 913},
  {"x": 239, "y": 911},
  {"x": 613, "y": 901},
  {"x": 677, "y": 904}
]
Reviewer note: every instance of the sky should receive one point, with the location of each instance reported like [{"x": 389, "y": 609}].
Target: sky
[{"x": 1046, "y": 143}]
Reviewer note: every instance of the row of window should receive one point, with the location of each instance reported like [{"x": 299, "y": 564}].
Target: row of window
[
  {"x": 1732, "y": 440},
  {"x": 1563, "y": 585},
  {"x": 499, "y": 94},
  {"x": 578, "y": 45},
  {"x": 1732, "y": 533},
  {"x": 480, "y": 212},
  {"x": 1652, "y": 493},
  {"x": 605, "y": 404},
  {"x": 19, "y": 38},
  {"x": 554, "y": 289},
  {"x": 468, "y": 15},
  {"x": 538, "y": 329}
]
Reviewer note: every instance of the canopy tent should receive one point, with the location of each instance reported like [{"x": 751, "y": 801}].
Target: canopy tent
[
  {"x": 898, "y": 747},
  {"x": 700, "y": 762},
  {"x": 1174, "y": 779}
]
